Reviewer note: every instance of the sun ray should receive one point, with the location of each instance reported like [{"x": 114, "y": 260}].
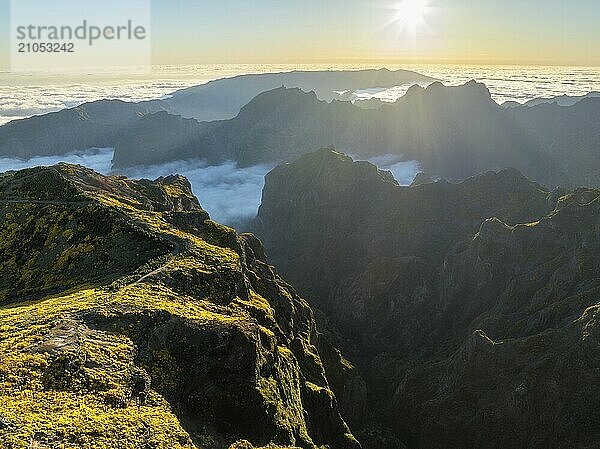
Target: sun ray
[{"x": 410, "y": 15}]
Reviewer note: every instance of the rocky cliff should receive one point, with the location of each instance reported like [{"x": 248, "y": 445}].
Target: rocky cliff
[
  {"x": 98, "y": 124},
  {"x": 129, "y": 319},
  {"x": 454, "y": 132},
  {"x": 470, "y": 308}
]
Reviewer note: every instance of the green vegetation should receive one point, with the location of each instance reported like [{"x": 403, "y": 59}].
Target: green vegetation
[
  {"x": 61, "y": 382},
  {"x": 128, "y": 319}
]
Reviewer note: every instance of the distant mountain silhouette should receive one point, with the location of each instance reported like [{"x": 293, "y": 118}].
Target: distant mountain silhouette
[
  {"x": 97, "y": 124},
  {"x": 454, "y": 132},
  {"x": 223, "y": 98},
  {"x": 570, "y": 135},
  {"x": 561, "y": 100},
  {"x": 100, "y": 123}
]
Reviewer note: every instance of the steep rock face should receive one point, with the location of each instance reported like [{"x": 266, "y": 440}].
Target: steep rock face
[
  {"x": 526, "y": 375},
  {"x": 354, "y": 203},
  {"x": 469, "y": 308},
  {"x": 193, "y": 340}
]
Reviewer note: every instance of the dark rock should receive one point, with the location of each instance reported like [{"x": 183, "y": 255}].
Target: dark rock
[
  {"x": 422, "y": 178},
  {"x": 5, "y": 423},
  {"x": 469, "y": 308}
]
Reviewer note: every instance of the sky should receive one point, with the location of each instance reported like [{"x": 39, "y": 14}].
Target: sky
[{"x": 536, "y": 32}]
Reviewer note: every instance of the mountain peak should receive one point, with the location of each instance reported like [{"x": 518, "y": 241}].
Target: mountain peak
[
  {"x": 280, "y": 97},
  {"x": 481, "y": 88},
  {"x": 472, "y": 91},
  {"x": 330, "y": 165}
]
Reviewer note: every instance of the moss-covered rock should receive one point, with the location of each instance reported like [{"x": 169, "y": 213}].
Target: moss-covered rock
[{"x": 167, "y": 331}]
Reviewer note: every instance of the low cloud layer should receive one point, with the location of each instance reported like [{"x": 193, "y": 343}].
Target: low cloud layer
[
  {"x": 404, "y": 171},
  {"x": 18, "y": 102},
  {"x": 231, "y": 195}
]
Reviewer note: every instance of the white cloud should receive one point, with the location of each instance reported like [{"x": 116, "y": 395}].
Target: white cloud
[
  {"x": 27, "y": 100},
  {"x": 404, "y": 171},
  {"x": 229, "y": 194},
  {"x": 99, "y": 160}
]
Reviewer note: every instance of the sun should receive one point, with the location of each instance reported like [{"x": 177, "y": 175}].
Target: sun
[{"x": 411, "y": 14}]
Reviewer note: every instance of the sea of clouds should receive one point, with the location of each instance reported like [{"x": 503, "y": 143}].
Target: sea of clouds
[
  {"x": 25, "y": 95},
  {"x": 231, "y": 195},
  {"x": 404, "y": 171},
  {"x": 18, "y": 102}
]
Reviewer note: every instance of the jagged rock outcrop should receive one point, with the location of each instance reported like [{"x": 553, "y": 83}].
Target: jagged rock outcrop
[
  {"x": 222, "y": 99},
  {"x": 454, "y": 132},
  {"x": 469, "y": 309},
  {"x": 100, "y": 124},
  {"x": 174, "y": 331}
]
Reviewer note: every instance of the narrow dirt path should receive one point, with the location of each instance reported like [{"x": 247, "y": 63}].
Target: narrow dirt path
[
  {"x": 174, "y": 253},
  {"x": 57, "y": 203}
]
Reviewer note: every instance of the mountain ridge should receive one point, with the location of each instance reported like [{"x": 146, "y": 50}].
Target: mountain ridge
[
  {"x": 192, "y": 340},
  {"x": 455, "y": 132},
  {"x": 457, "y": 302},
  {"x": 206, "y": 102}
]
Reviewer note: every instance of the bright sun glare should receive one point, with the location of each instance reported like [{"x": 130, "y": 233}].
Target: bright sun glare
[{"x": 411, "y": 14}]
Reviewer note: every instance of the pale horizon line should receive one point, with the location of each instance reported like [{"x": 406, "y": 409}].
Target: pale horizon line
[{"x": 374, "y": 62}]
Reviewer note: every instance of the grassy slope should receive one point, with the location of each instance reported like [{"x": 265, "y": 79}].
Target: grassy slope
[{"x": 63, "y": 384}]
